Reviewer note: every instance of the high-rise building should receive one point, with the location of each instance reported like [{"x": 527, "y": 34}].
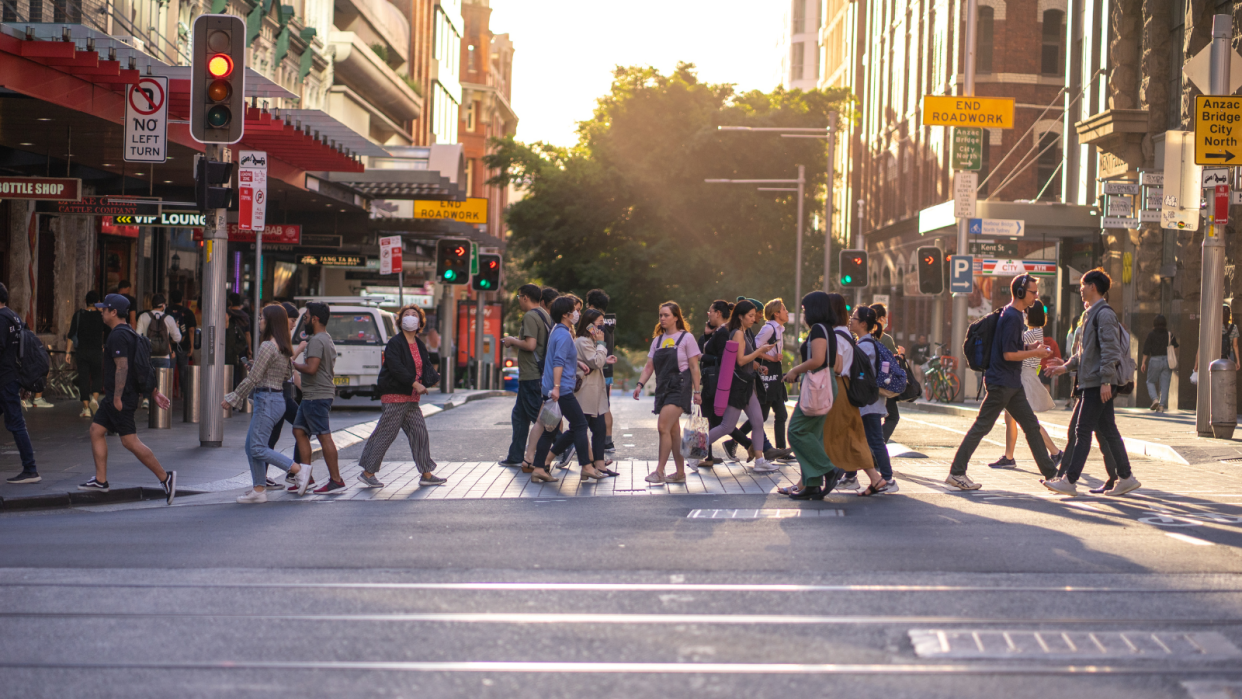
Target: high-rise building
[
  {"x": 801, "y": 55},
  {"x": 486, "y": 80}
]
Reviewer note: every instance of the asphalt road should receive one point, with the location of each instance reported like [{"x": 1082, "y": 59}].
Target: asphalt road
[{"x": 619, "y": 596}]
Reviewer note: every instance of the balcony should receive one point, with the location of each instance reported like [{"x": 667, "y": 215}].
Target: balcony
[
  {"x": 376, "y": 22},
  {"x": 359, "y": 68}
]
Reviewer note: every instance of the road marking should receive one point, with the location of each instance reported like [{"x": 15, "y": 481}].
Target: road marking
[
  {"x": 789, "y": 513},
  {"x": 1188, "y": 539},
  {"x": 1044, "y": 644}
]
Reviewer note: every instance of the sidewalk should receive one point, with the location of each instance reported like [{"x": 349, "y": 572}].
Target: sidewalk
[
  {"x": 63, "y": 452},
  {"x": 1167, "y": 436}
]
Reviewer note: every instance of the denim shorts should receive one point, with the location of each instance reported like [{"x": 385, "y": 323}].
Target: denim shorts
[{"x": 313, "y": 416}]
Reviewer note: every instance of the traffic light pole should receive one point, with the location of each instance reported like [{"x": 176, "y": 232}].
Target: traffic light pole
[
  {"x": 211, "y": 389},
  {"x": 448, "y": 353},
  {"x": 478, "y": 342},
  {"x": 960, "y": 300},
  {"x": 832, "y": 149},
  {"x": 1212, "y": 281}
]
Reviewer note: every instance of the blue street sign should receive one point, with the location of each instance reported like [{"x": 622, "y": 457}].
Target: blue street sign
[
  {"x": 995, "y": 226},
  {"x": 961, "y": 274}
]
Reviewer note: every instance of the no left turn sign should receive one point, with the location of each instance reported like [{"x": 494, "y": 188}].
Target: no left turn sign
[{"x": 146, "y": 120}]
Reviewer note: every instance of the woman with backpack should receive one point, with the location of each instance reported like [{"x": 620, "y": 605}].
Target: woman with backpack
[
  {"x": 1036, "y": 394},
  {"x": 893, "y": 416},
  {"x": 592, "y": 394},
  {"x": 674, "y": 361},
  {"x": 863, "y": 324},
  {"x": 742, "y": 392}
]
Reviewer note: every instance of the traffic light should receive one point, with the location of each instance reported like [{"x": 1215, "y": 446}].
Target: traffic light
[
  {"x": 931, "y": 270},
  {"x": 218, "y": 79},
  {"x": 853, "y": 269},
  {"x": 453, "y": 261},
  {"x": 208, "y": 178},
  {"x": 488, "y": 278}
]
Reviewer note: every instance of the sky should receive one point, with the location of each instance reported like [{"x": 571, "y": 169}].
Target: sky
[{"x": 565, "y": 51}]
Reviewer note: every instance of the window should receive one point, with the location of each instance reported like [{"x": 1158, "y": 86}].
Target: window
[
  {"x": 799, "y": 16},
  {"x": 471, "y": 115},
  {"x": 1049, "y": 166},
  {"x": 796, "y": 55},
  {"x": 472, "y": 58},
  {"x": 983, "y": 41},
  {"x": 1052, "y": 58}
]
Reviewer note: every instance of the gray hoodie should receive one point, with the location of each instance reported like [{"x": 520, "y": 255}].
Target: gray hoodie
[{"x": 1100, "y": 349}]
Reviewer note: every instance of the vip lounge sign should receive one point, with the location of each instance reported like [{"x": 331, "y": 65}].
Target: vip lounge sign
[
  {"x": 251, "y": 190},
  {"x": 41, "y": 188}
]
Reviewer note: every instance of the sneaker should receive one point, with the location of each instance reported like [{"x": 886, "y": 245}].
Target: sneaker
[
  {"x": 506, "y": 463},
  {"x": 1155, "y": 405},
  {"x": 94, "y": 406},
  {"x": 609, "y": 446},
  {"x": 1102, "y": 488},
  {"x": 253, "y": 497},
  {"x": 25, "y": 477},
  {"x": 848, "y": 482},
  {"x": 94, "y": 485},
  {"x": 1123, "y": 486},
  {"x": 563, "y": 460},
  {"x": 271, "y": 483},
  {"x": 431, "y": 479},
  {"x": 1057, "y": 458},
  {"x": 777, "y": 454},
  {"x": 730, "y": 448},
  {"x": 294, "y": 488},
  {"x": 369, "y": 481},
  {"x": 170, "y": 487},
  {"x": 41, "y": 403},
  {"x": 892, "y": 486},
  {"x": 1003, "y": 462},
  {"x": 1060, "y": 485},
  {"x": 961, "y": 483},
  {"x": 145, "y": 404},
  {"x": 86, "y": 412},
  {"x": 762, "y": 465},
  {"x": 27, "y": 404},
  {"x": 303, "y": 479},
  {"x": 331, "y": 487}
]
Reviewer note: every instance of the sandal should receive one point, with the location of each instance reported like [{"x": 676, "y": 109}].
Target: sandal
[
  {"x": 874, "y": 489},
  {"x": 527, "y": 467}
]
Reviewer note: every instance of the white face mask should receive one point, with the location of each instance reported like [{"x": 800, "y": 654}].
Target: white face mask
[
  {"x": 573, "y": 317},
  {"x": 409, "y": 323}
]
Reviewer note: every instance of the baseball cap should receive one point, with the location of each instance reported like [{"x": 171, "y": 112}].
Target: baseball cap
[{"x": 116, "y": 302}]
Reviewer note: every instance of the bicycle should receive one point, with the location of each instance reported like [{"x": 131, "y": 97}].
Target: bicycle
[
  {"x": 62, "y": 380},
  {"x": 940, "y": 381}
]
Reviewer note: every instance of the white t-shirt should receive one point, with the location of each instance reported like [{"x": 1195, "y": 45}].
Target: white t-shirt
[
  {"x": 769, "y": 329},
  {"x": 844, "y": 349},
  {"x": 687, "y": 349}
]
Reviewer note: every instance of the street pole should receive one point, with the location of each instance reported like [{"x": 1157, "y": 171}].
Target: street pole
[
  {"x": 448, "y": 354},
  {"x": 258, "y": 283},
  {"x": 401, "y": 287},
  {"x": 960, "y": 299},
  {"x": 211, "y": 388},
  {"x": 478, "y": 341},
  {"x": 797, "y": 317},
  {"x": 1212, "y": 281},
  {"x": 832, "y": 149}
]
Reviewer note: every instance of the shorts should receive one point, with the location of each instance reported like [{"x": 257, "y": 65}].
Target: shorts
[
  {"x": 118, "y": 421},
  {"x": 312, "y": 417},
  {"x": 608, "y": 381}
]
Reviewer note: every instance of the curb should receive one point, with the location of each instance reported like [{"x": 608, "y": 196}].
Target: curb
[
  {"x": 1134, "y": 447},
  {"x": 69, "y": 499}
]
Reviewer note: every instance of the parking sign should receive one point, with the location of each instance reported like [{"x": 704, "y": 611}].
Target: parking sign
[{"x": 961, "y": 274}]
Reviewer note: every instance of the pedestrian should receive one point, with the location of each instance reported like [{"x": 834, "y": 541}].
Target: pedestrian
[
  {"x": 531, "y": 344},
  {"x": 236, "y": 337},
  {"x": 160, "y": 328},
  {"x": 742, "y": 396},
  {"x": 712, "y": 347},
  {"x": 1228, "y": 339},
  {"x": 892, "y": 416},
  {"x": 318, "y": 390},
  {"x": 771, "y": 377},
  {"x": 845, "y": 438},
  {"x": 592, "y": 397},
  {"x": 920, "y": 353},
  {"x": 1003, "y": 381},
  {"x": 1157, "y": 348},
  {"x": 87, "y": 333},
  {"x": 1036, "y": 395},
  {"x": 865, "y": 325},
  {"x": 560, "y": 371},
  {"x": 806, "y": 432},
  {"x": 1096, "y": 362},
  {"x": 11, "y": 391},
  {"x": 121, "y": 397},
  {"x": 183, "y": 351},
  {"x": 406, "y": 375},
  {"x": 598, "y": 299},
  {"x": 292, "y": 395},
  {"x": 674, "y": 361},
  {"x": 124, "y": 288},
  {"x": 273, "y": 365}
]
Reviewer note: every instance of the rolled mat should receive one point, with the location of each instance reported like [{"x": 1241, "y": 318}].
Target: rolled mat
[{"x": 728, "y": 363}]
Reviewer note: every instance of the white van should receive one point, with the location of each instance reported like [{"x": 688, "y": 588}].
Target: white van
[{"x": 360, "y": 330}]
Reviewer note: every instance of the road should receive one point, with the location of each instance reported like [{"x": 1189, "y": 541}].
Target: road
[{"x": 629, "y": 595}]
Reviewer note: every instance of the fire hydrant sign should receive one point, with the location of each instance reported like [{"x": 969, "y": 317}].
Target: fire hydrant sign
[
  {"x": 390, "y": 255},
  {"x": 146, "y": 120},
  {"x": 251, "y": 190}
]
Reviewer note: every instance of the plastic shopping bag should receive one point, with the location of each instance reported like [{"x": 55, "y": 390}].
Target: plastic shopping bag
[
  {"x": 694, "y": 437},
  {"x": 1194, "y": 377},
  {"x": 550, "y": 415}
]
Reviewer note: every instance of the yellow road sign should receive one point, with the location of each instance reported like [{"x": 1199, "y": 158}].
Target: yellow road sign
[
  {"x": 472, "y": 210},
  {"x": 992, "y": 112},
  {"x": 1218, "y": 130}
]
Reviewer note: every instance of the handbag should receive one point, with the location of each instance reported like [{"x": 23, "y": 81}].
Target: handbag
[
  {"x": 287, "y": 389},
  {"x": 816, "y": 392},
  {"x": 1171, "y": 352},
  {"x": 694, "y": 437}
]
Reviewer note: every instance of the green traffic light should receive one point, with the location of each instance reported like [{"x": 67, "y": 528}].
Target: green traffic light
[
  {"x": 450, "y": 274},
  {"x": 218, "y": 117},
  {"x": 846, "y": 279}
]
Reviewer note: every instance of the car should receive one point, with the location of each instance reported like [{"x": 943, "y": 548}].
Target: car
[
  {"x": 510, "y": 374},
  {"x": 360, "y": 332}
]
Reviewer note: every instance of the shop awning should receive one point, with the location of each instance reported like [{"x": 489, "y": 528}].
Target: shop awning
[{"x": 400, "y": 184}]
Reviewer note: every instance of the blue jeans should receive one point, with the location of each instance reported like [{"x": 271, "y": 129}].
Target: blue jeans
[
  {"x": 15, "y": 422},
  {"x": 1158, "y": 375},
  {"x": 873, "y": 425},
  {"x": 525, "y": 411},
  {"x": 162, "y": 362},
  {"x": 269, "y": 409},
  {"x": 313, "y": 416}
]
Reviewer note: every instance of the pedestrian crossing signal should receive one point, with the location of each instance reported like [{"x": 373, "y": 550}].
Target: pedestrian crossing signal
[
  {"x": 931, "y": 270},
  {"x": 853, "y": 265},
  {"x": 453, "y": 261}
]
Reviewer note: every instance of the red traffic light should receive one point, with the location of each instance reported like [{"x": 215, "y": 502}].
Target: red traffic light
[
  {"x": 492, "y": 264},
  {"x": 929, "y": 260},
  {"x": 509, "y": 363},
  {"x": 220, "y": 66},
  {"x": 459, "y": 251}
]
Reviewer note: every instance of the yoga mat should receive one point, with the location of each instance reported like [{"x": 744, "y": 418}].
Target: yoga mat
[{"x": 728, "y": 362}]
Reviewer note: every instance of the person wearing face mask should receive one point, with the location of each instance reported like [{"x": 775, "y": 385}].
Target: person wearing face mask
[
  {"x": 560, "y": 371},
  {"x": 593, "y": 395},
  {"x": 406, "y": 375}
]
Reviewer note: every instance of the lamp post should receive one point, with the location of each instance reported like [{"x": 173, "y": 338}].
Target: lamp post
[{"x": 800, "y": 189}]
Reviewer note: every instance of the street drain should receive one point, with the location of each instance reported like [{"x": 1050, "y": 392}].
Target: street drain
[
  {"x": 762, "y": 514},
  {"x": 1038, "y": 645}
]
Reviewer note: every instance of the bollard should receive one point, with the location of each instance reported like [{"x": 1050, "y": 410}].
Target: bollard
[
  {"x": 159, "y": 418},
  {"x": 189, "y": 393},
  {"x": 1223, "y": 395},
  {"x": 228, "y": 388}
]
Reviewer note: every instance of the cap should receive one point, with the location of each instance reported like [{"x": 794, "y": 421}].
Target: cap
[{"x": 116, "y": 302}]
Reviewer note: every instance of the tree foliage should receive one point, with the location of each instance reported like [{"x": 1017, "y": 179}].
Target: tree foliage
[{"x": 627, "y": 209}]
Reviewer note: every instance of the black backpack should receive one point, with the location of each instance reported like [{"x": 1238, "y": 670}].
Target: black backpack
[
  {"x": 539, "y": 358},
  {"x": 157, "y": 333},
  {"x": 978, "y": 344},
  {"x": 863, "y": 389},
  {"x": 140, "y": 364},
  {"x": 235, "y": 345},
  {"x": 913, "y": 390},
  {"x": 33, "y": 362}
]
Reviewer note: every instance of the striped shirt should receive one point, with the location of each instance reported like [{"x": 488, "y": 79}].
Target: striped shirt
[
  {"x": 1031, "y": 337},
  {"x": 270, "y": 370}
]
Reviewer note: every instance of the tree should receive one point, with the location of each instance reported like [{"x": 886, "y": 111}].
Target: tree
[{"x": 627, "y": 209}]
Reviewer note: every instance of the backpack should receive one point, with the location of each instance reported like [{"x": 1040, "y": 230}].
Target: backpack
[
  {"x": 913, "y": 390},
  {"x": 33, "y": 362},
  {"x": 540, "y": 357},
  {"x": 1125, "y": 367},
  {"x": 140, "y": 364},
  {"x": 157, "y": 334},
  {"x": 862, "y": 389},
  {"x": 890, "y": 378},
  {"x": 978, "y": 345},
  {"x": 235, "y": 345}
]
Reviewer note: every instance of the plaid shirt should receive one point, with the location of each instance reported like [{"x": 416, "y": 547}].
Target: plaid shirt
[{"x": 270, "y": 370}]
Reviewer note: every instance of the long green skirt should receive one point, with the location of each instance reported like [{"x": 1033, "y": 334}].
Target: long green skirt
[{"x": 806, "y": 436}]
